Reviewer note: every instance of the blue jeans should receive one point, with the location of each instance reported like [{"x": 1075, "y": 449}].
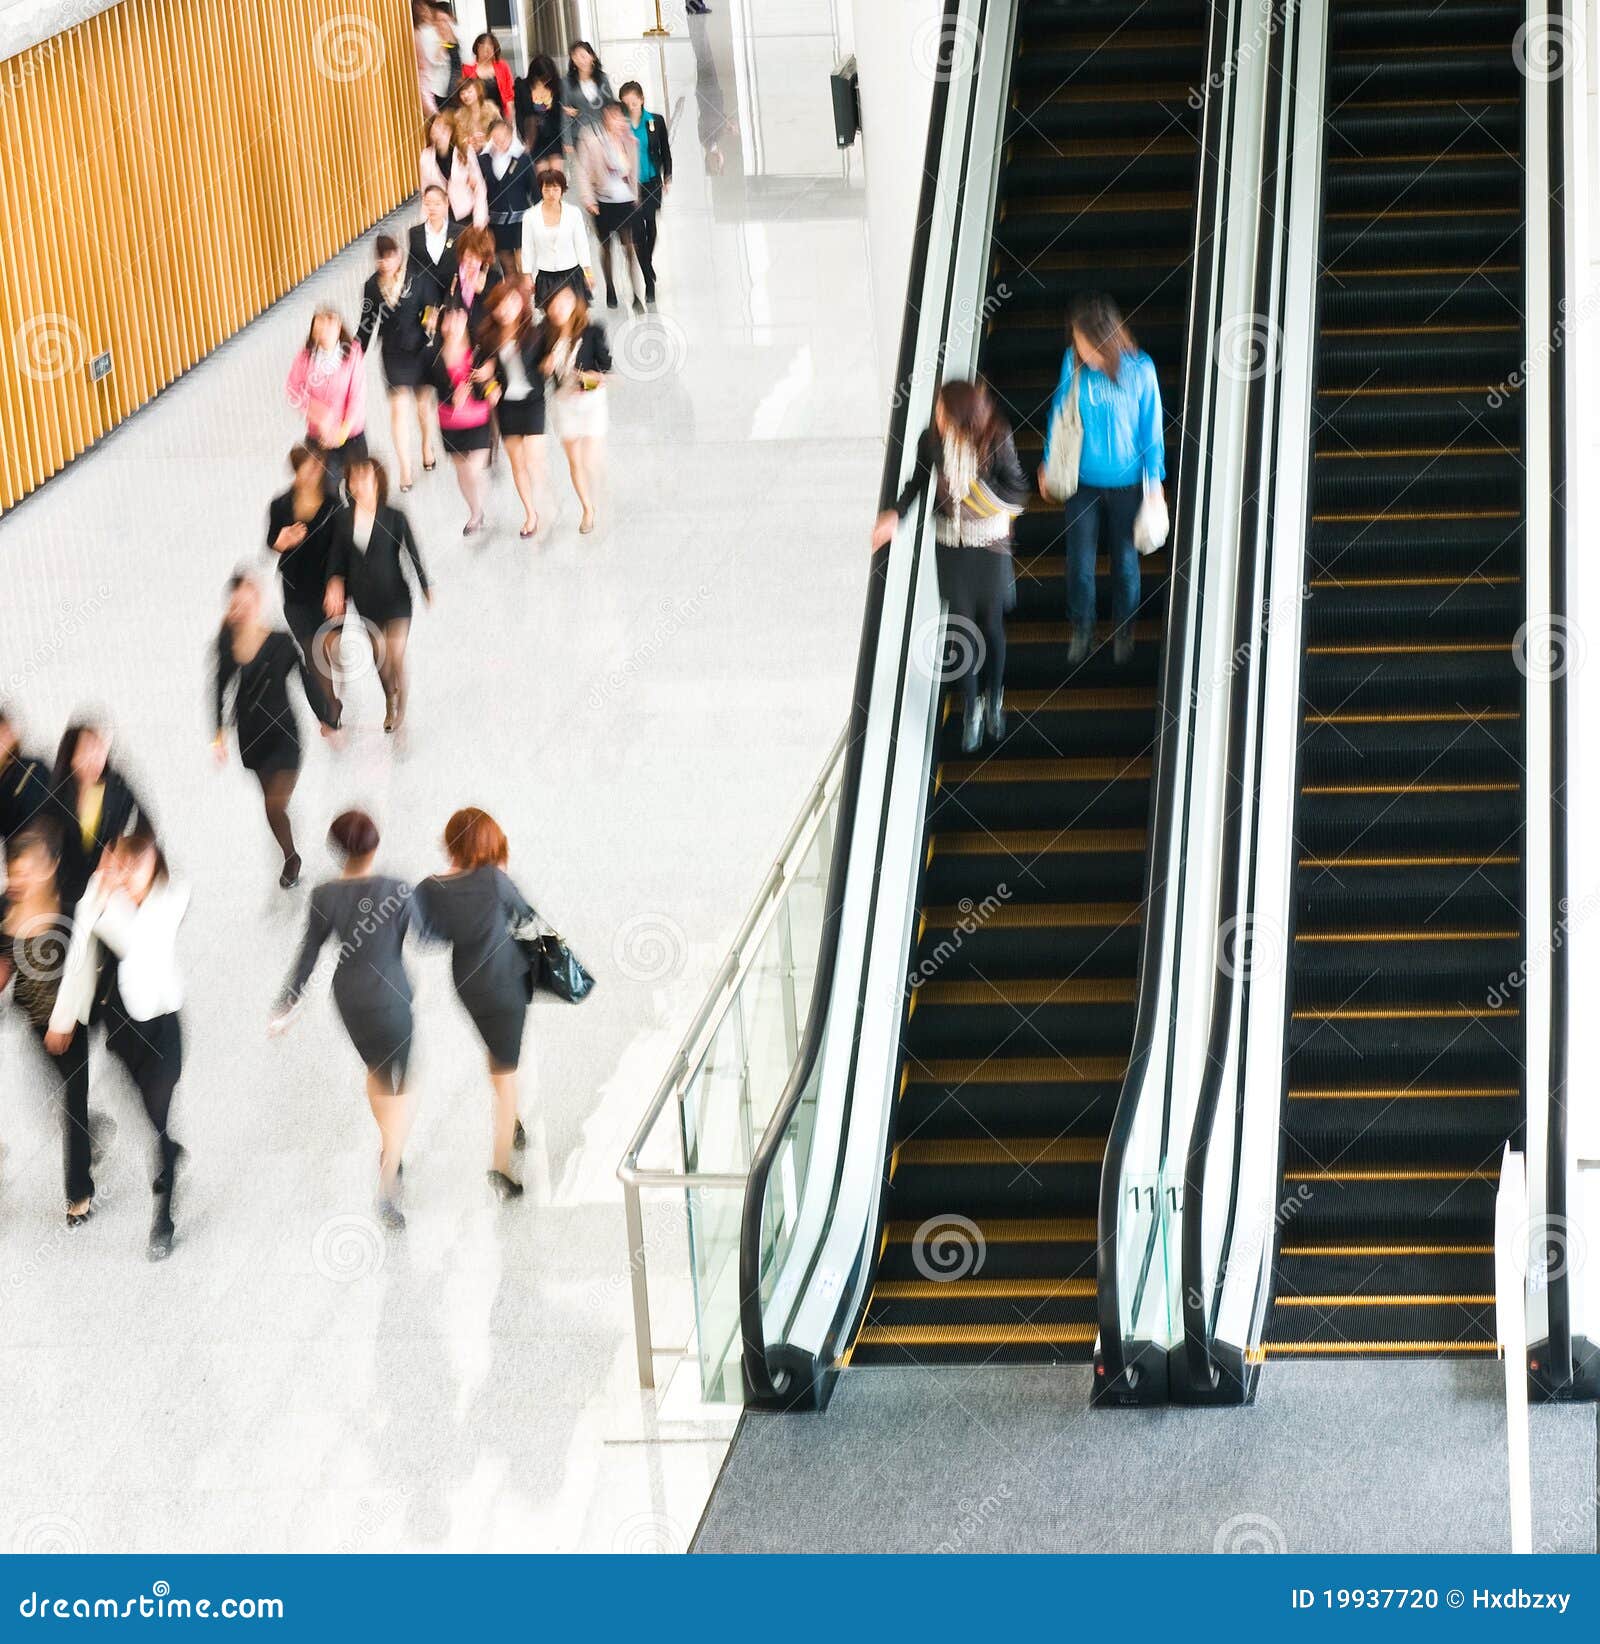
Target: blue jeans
[{"x": 1102, "y": 515}]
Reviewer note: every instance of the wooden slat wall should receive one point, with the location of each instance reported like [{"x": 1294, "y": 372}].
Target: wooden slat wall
[{"x": 169, "y": 169}]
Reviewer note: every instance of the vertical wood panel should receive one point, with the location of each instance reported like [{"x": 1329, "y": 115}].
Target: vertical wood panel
[{"x": 179, "y": 165}]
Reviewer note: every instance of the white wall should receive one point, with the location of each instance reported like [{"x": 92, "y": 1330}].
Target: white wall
[{"x": 894, "y": 43}]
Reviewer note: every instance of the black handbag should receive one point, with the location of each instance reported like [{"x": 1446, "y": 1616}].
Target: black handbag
[{"x": 554, "y": 967}]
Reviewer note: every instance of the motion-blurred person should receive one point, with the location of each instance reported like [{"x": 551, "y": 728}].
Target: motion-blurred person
[
  {"x": 1122, "y": 460},
  {"x": 508, "y": 176},
  {"x": 24, "y": 781},
  {"x": 585, "y": 90},
  {"x": 393, "y": 304},
  {"x": 475, "y": 908},
  {"x": 477, "y": 269},
  {"x": 539, "y": 113},
  {"x": 328, "y": 381},
  {"x": 969, "y": 456},
  {"x": 94, "y": 802},
  {"x": 575, "y": 356},
  {"x": 34, "y": 930},
  {"x": 300, "y": 533},
  {"x": 430, "y": 254},
  {"x": 557, "y": 240},
  {"x": 132, "y": 909},
  {"x": 253, "y": 668},
  {"x": 510, "y": 341},
  {"x": 490, "y": 69},
  {"x": 608, "y": 186},
  {"x": 368, "y": 915},
  {"x": 433, "y": 61},
  {"x": 461, "y": 381},
  {"x": 475, "y": 113},
  {"x": 372, "y": 541},
  {"x": 447, "y": 161},
  {"x": 655, "y": 178}
]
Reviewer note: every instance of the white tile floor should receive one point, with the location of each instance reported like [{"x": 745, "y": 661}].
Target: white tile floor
[{"x": 643, "y": 709}]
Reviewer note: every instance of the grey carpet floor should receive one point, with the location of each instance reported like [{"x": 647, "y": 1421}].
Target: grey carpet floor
[{"x": 1331, "y": 1458}]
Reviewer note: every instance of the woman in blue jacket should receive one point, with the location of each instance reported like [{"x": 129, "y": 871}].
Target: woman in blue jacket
[{"x": 1123, "y": 459}]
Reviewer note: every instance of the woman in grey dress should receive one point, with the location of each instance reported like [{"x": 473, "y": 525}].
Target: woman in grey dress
[
  {"x": 368, "y": 914},
  {"x": 475, "y": 908}
]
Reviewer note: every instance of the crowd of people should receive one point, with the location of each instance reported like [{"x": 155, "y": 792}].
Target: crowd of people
[{"x": 483, "y": 329}]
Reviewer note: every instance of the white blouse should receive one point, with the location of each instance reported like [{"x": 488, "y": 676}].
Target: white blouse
[
  {"x": 143, "y": 940},
  {"x": 546, "y": 249}
]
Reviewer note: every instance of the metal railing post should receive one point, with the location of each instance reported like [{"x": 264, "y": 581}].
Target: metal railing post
[{"x": 643, "y": 1346}]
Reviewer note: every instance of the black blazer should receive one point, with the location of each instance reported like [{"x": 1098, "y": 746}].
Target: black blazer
[
  {"x": 594, "y": 352},
  {"x": 543, "y": 129},
  {"x": 660, "y": 147},
  {"x": 375, "y": 578},
  {"x": 511, "y": 195},
  {"x": 398, "y": 324},
  {"x": 532, "y": 352},
  {"x": 119, "y": 810},
  {"x": 437, "y": 277},
  {"x": 1000, "y": 471},
  {"x": 304, "y": 569},
  {"x": 24, "y": 792}
]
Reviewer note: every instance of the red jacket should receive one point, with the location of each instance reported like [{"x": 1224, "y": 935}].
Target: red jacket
[{"x": 505, "y": 84}]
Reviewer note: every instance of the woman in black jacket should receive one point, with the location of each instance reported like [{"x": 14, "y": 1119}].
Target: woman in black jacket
[
  {"x": 367, "y": 569},
  {"x": 508, "y": 176},
  {"x": 979, "y": 488},
  {"x": 95, "y": 803},
  {"x": 394, "y": 302},
  {"x": 510, "y": 342},
  {"x": 300, "y": 532},
  {"x": 575, "y": 356},
  {"x": 539, "y": 113},
  {"x": 257, "y": 662}
]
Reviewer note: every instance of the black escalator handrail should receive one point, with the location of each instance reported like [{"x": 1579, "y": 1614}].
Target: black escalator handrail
[
  {"x": 1247, "y": 635},
  {"x": 752, "y": 1324},
  {"x": 1558, "y": 1355},
  {"x": 1168, "y": 754}
]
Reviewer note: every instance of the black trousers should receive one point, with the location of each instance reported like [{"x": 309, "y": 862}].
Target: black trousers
[
  {"x": 152, "y": 1053},
  {"x": 71, "y": 1069},
  {"x": 977, "y": 584},
  {"x": 644, "y": 233}
]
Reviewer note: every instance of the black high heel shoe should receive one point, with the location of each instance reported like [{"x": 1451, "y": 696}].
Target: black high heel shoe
[
  {"x": 519, "y": 1137},
  {"x": 504, "y": 1185}
]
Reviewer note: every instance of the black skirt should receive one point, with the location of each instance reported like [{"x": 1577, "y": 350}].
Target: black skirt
[
  {"x": 382, "y": 1040},
  {"x": 460, "y": 441},
  {"x": 402, "y": 369},
  {"x": 500, "y": 1023},
  {"x": 508, "y": 236},
  {"x": 519, "y": 419},
  {"x": 548, "y": 281}
]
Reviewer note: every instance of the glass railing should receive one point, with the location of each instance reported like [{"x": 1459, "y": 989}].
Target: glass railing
[{"x": 692, "y": 1151}]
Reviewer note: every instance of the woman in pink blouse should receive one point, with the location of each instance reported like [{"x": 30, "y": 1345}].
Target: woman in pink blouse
[
  {"x": 448, "y": 162},
  {"x": 462, "y": 385},
  {"x": 328, "y": 381}
]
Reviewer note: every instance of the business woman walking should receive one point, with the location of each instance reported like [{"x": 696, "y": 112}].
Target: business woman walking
[
  {"x": 447, "y": 161},
  {"x": 254, "y": 666},
  {"x": 394, "y": 302},
  {"x": 574, "y": 355},
  {"x": 328, "y": 382},
  {"x": 95, "y": 802},
  {"x": 368, "y": 916},
  {"x": 475, "y": 907},
  {"x": 300, "y": 533},
  {"x": 132, "y": 908},
  {"x": 508, "y": 176},
  {"x": 556, "y": 239},
  {"x": 510, "y": 340},
  {"x": 367, "y": 568},
  {"x": 461, "y": 381}
]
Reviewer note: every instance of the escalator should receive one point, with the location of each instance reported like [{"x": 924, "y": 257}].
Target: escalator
[
  {"x": 1405, "y": 1047},
  {"x": 1026, "y": 947}
]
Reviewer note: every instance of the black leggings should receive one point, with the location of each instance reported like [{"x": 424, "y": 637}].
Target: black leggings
[
  {"x": 152, "y": 1052},
  {"x": 977, "y": 584},
  {"x": 71, "y": 1069}
]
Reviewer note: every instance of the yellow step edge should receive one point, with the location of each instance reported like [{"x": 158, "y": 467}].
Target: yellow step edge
[
  {"x": 1419, "y": 451},
  {"x": 1415, "y": 582},
  {"x": 1466, "y": 716},
  {"x": 1024, "y": 1070},
  {"x": 1041, "y": 915},
  {"x": 1409, "y": 936},
  {"x": 975, "y": 1335},
  {"x": 1019, "y": 1153},
  {"x": 1463, "y": 648},
  {"x": 1367, "y": 1349},
  {"x": 1422, "y": 213},
  {"x": 1046, "y": 770},
  {"x": 1023, "y": 1230},
  {"x": 1040, "y": 991},
  {"x": 1391, "y": 1176},
  {"x": 1413, "y": 389},
  {"x": 1410, "y": 1093},
  {"x": 1064, "y": 699},
  {"x": 1393, "y": 514},
  {"x": 1473, "y": 1013},
  {"x": 1334, "y": 862},
  {"x": 1412, "y": 787},
  {"x": 1043, "y": 842},
  {"x": 1386, "y": 1250},
  {"x": 983, "y": 1289},
  {"x": 1370, "y": 1300}
]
